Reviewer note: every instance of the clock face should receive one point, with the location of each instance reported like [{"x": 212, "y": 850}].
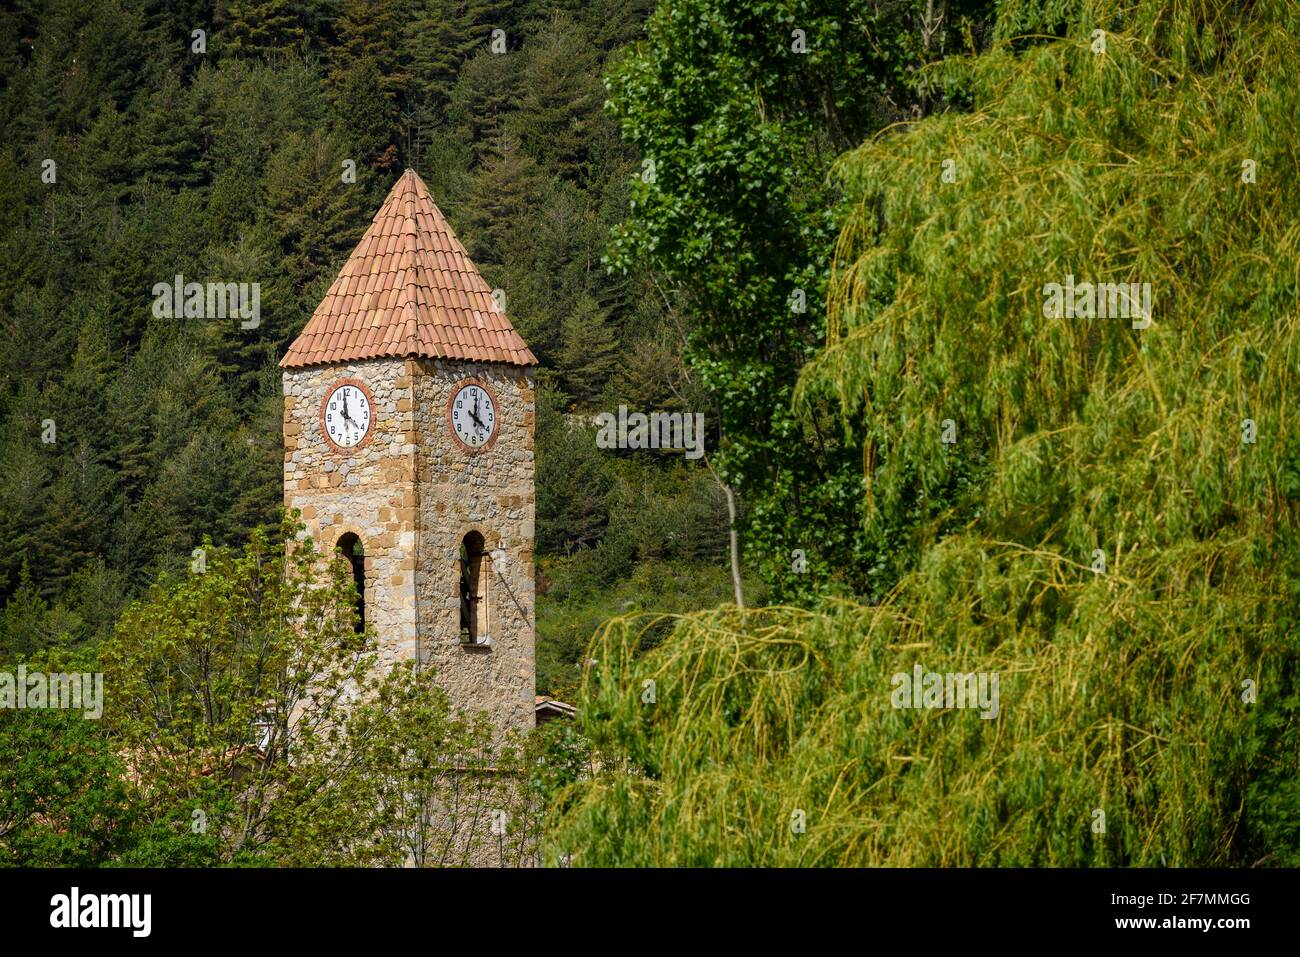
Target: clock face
[
  {"x": 472, "y": 414},
  {"x": 345, "y": 416}
]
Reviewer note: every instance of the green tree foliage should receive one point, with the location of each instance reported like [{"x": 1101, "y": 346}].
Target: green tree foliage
[
  {"x": 28, "y": 625},
  {"x": 589, "y": 351},
  {"x": 572, "y": 482},
  {"x": 440, "y": 36},
  {"x": 1159, "y": 687},
  {"x": 211, "y": 683},
  {"x": 63, "y": 800},
  {"x": 370, "y": 116},
  {"x": 485, "y": 94},
  {"x": 217, "y": 679},
  {"x": 737, "y": 110},
  {"x": 562, "y": 99},
  {"x": 505, "y": 188},
  {"x": 261, "y": 28},
  {"x": 214, "y": 679},
  {"x": 370, "y": 32}
]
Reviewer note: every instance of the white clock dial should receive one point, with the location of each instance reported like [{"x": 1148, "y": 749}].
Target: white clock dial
[
  {"x": 347, "y": 416},
  {"x": 473, "y": 415}
]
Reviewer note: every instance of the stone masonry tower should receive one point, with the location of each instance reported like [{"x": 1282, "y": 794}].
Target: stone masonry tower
[{"x": 408, "y": 434}]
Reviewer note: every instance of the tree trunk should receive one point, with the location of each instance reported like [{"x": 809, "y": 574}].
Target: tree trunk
[
  {"x": 735, "y": 546},
  {"x": 731, "y": 532}
]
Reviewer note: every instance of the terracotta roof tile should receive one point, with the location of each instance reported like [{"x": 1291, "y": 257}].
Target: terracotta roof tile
[{"x": 408, "y": 289}]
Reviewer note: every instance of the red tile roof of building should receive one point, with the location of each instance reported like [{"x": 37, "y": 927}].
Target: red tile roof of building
[
  {"x": 547, "y": 703},
  {"x": 408, "y": 289}
]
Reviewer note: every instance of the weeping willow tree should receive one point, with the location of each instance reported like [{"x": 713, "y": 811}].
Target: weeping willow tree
[{"x": 1125, "y": 560}]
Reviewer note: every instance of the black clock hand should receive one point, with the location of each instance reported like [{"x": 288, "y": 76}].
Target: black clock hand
[{"x": 473, "y": 414}]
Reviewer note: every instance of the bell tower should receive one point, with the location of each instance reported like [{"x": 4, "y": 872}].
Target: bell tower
[{"x": 408, "y": 431}]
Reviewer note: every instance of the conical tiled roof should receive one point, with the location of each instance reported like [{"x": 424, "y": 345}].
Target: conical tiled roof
[{"x": 408, "y": 289}]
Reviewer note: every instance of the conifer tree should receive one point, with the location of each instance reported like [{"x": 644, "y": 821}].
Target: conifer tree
[
  {"x": 368, "y": 116},
  {"x": 505, "y": 189},
  {"x": 371, "y": 31},
  {"x": 170, "y": 137},
  {"x": 560, "y": 118},
  {"x": 589, "y": 351},
  {"x": 486, "y": 94},
  {"x": 439, "y": 38},
  {"x": 25, "y": 621},
  {"x": 263, "y": 28}
]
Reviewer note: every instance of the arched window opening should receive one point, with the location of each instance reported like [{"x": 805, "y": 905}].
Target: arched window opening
[
  {"x": 475, "y": 572},
  {"x": 350, "y": 547}
]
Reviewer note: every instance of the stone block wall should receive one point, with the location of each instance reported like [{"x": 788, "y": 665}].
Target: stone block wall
[
  {"x": 491, "y": 492},
  {"x": 411, "y": 495},
  {"x": 369, "y": 491}
]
